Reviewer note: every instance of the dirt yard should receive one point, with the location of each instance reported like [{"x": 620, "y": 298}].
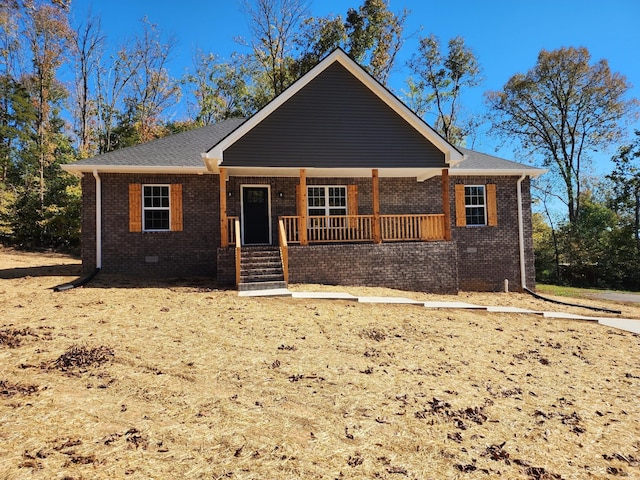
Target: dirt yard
[{"x": 121, "y": 379}]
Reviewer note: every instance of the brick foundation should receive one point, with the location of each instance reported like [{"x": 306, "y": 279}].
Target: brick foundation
[
  {"x": 419, "y": 266},
  {"x": 226, "y": 275}
]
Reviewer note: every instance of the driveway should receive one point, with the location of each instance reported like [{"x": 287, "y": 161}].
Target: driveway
[{"x": 619, "y": 297}]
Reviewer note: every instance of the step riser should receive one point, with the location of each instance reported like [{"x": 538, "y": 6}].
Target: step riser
[
  {"x": 244, "y": 287},
  {"x": 261, "y": 269}
]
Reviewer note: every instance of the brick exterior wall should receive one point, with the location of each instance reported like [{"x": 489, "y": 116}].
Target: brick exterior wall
[
  {"x": 489, "y": 255},
  {"x": 191, "y": 252},
  {"x": 478, "y": 258},
  {"x": 419, "y": 266}
]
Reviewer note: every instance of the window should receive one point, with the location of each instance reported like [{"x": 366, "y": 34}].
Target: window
[
  {"x": 326, "y": 201},
  {"x": 155, "y": 207},
  {"x": 475, "y": 205}
]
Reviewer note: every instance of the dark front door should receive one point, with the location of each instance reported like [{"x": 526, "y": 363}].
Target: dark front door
[{"x": 255, "y": 215}]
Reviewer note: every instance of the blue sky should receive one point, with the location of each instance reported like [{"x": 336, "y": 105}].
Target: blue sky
[{"x": 506, "y": 35}]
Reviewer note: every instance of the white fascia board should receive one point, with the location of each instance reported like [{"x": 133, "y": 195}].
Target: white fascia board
[
  {"x": 531, "y": 172},
  {"x": 452, "y": 155},
  {"x": 79, "y": 169}
]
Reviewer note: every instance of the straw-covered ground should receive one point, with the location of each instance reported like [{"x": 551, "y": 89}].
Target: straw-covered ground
[{"x": 181, "y": 380}]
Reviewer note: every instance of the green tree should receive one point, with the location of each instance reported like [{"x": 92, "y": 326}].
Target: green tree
[
  {"x": 440, "y": 83},
  {"x": 626, "y": 186},
  {"x": 221, "y": 89},
  {"x": 562, "y": 110},
  {"x": 48, "y": 34},
  {"x": 371, "y": 35},
  {"x": 545, "y": 248}
]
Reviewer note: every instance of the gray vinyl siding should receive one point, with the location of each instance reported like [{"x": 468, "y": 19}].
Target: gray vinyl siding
[{"x": 334, "y": 121}]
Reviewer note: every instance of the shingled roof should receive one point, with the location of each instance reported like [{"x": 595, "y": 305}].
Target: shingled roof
[
  {"x": 184, "y": 151},
  {"x": 180, "y": 150},
  {"x": 477, "y": 163}
]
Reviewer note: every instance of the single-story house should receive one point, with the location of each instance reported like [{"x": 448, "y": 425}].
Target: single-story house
[{"x": 335, "y": 181}]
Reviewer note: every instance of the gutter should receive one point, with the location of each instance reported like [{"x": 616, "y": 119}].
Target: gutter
[
  {"x": 98, "y": 219},
  {"x": 523, "y": 274}
]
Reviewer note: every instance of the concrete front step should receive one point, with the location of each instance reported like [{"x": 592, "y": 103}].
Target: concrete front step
[{"x": 253, "y": 286}]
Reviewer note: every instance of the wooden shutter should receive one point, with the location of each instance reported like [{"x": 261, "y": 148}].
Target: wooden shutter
[
  {"x": 176, "y": 207},
  {"x": 461, "y": 212},
  {"x": 492, "y": 207},
  {"x": 135, "y": 207}
]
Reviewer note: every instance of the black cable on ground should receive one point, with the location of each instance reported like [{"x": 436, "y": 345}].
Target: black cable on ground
[
  {"x": 76, "y": 283},
  {"x": 597, "y": 309}
]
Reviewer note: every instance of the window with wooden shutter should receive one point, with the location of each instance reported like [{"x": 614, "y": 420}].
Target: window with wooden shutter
[
  {"x": 155, "y": 208},
  {"x": 135, "y": 207},
  {"x": 476, "y": 205}
]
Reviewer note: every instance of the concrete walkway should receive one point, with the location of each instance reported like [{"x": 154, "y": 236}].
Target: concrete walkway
[{"x": 627, "y": 324}]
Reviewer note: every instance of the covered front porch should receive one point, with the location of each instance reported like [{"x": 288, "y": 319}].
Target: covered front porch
[
  {"x": 310, "y": 227},
  {"x": 357, "y": 215}
]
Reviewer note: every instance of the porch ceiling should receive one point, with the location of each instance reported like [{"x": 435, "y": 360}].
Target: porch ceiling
[{"x": 421, "y": 174}]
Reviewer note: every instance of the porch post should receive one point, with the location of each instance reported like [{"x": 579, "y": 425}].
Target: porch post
[
  {"x": 375, "y": 184},
  {"x": 224, "y": 224},
  {"x": 446, "y": 206},
  {"x": 302, "y": 205}
]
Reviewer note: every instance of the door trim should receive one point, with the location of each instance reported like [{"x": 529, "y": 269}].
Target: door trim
[{"x": 252, "y": 185}]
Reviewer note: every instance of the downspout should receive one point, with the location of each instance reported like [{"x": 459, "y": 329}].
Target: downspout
[
  {"x": 523, "y": 274},
  {"x": 98, "y": 219}
]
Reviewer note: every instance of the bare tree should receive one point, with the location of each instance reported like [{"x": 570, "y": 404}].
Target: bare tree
[
  {"x": 88, "y": 42},
  {"x": 153, "y": 89},
  {"x": 274, "y": 25},
  {"x": 113, "y": 80},
  {"x": 561, "y": 110}
]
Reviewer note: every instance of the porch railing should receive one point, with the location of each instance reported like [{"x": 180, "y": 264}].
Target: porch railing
[
  {"x": 359, "y": 228},
  {"x": 284, "y": 250},
  {"x": 236, "y": 224},
  {"x": 398, "y": 228}
]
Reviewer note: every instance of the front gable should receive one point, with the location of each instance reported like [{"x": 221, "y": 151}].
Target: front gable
[
  {"x": 338, "y": 117},
  {"x": 334, "y": 122}
]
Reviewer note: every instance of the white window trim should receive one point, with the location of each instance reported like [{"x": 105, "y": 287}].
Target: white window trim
[
  {"x": 144, "y": 229},
  {"x": 484, "y": 205},
  {"x": 327, "y": 207}
]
